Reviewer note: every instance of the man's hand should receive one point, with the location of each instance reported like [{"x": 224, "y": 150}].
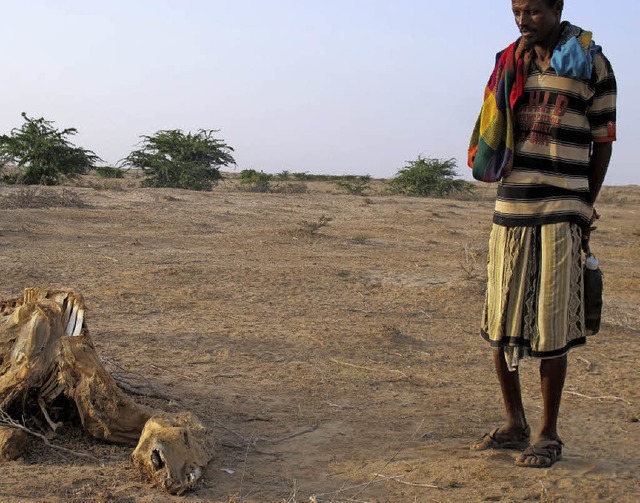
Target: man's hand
[{"x": 586, "y": 232}]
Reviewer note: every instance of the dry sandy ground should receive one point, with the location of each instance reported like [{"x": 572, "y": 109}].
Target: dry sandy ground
[{"x": 343, "y": 365}]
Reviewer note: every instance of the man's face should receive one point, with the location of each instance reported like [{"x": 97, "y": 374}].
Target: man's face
[{"x": 537, "y": 22}]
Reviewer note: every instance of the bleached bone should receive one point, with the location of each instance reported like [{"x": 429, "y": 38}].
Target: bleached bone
[
  {"x": 79, "y": 321},
  {"x": 72, "y": 319}
]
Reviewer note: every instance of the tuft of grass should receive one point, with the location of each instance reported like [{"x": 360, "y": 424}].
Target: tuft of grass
[
  {"x": 360, "y": 239},
  {"x": 311, "y": 228},
  {"x": 393, "y": 332},
  {"x": 469, "y": 261}
]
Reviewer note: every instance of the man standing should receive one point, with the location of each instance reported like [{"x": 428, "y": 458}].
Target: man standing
[{"x": 546, "y": 129}]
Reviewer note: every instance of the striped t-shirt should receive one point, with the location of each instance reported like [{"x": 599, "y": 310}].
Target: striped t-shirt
[{"x": 557, "y": 120}]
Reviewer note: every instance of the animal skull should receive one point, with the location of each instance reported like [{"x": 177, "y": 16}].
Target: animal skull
[{"x": 173, "y": 451}]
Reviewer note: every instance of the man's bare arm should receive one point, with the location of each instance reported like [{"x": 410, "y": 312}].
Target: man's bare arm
[{"x": 600, "y": 157}]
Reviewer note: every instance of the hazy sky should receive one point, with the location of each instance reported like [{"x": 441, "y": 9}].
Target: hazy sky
[{"x": 323, "y": 86}]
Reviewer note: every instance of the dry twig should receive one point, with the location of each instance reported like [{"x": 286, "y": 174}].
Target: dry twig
[
  {"x": 397, "y": 478},
  {"x": 369, "y": 368},
  {"x": 286, "y": 437},
  {"x": 614, "y": 398},
  {"x": 589, "y": 364},
  {"x": 338, "y": 406}
]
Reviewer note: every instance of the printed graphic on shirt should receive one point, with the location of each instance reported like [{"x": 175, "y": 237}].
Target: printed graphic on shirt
[{"x": 540, "y": 112}]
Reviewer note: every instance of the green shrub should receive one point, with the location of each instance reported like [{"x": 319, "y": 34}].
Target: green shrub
[
  {"x": 172, "y": 158},
  {"x": 11, "y": 177},
  {"x": 429, "y": 177},
  {"x": 43, "y": 155},
  {"x": 355, "y": 185},
  {"x": 109, "y": 172},
  {"x": 302, "y": 176},
  {"x": 308, "y": 177},
  {"x": 255, "y": 181}
]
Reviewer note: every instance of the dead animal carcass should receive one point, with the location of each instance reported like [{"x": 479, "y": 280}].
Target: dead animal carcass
[{"x": 48, "y": 363}]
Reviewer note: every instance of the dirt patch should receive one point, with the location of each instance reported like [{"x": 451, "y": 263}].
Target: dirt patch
[{"x": 344, "y": 363}]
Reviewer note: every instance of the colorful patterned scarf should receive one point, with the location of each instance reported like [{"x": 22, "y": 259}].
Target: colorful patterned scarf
[
  {"x": 492, "y": 142},
  {"x": 491, "y": 148}
]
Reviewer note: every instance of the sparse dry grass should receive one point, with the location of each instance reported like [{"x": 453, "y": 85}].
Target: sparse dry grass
[{"x": 34, "y": 197}]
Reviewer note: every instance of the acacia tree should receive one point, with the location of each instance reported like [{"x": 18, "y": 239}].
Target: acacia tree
[
  {"x": 173, "y": 158},
  {"x": 43, "y": 154},
  {"x": 429, "y": 177}
]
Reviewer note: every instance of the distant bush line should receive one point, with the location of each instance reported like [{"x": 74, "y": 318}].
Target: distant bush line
[{"x": 37, "y": 153}]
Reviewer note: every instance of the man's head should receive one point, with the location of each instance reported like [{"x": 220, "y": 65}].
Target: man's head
[{"x": 538, "y": 20}]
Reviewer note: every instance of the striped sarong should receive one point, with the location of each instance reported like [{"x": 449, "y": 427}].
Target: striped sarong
[{"x": 533, "y": 304}]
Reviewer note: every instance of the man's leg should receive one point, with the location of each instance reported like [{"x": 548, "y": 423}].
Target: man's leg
[
  {"x": 513, "y": 433},
  {"x": 547, "y": 447},
  {"x": 552, "y": 375},
  {"x": 511, "y": 396}
]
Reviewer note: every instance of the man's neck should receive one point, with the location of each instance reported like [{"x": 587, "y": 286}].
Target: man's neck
[{"x": 544, "y": 50}]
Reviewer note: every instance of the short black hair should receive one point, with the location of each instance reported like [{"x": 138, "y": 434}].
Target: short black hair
[{"x": 553, "y": 3}]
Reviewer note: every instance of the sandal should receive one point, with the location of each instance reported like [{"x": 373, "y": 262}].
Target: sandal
[
  {"x": 495, "y": 440},
  {"x": 543, "y": 454}
]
